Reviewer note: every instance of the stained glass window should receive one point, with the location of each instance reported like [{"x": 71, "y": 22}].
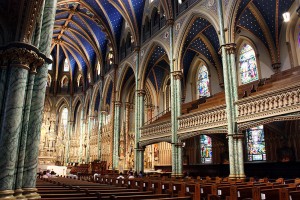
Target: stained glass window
[
  {"x": 203, "y": 82},
  {"x": 64, "y": 118},
  {"x": 66, "y": 65},
  {"x": 206, "y": 149},
  {"x": 256, "y": 144},
  {"x": 50, "y": 65},
  {"x": 248, "y": 65}
]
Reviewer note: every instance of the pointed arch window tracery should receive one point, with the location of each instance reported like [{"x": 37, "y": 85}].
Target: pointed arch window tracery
[
  {"x": 66, "y": 65},
  {"x": 203, "y": 82},
  {"x": 247, "y": 64}
]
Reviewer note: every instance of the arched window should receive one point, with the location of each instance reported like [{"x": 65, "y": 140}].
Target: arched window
[
  {"x": 64, "y": 82},
  {"x": 64, "y": 118},
  {"x": 256, "y": 144},
  {"x": 66, "y": 65},
  {"x": 50, "y": 66},
  {"x": 248, "y": 65},
  {"x": 98, "y": 68},
  {"x": 206, "y": 149},
  {"x": 203, "y": 82},
  {"x": 79, "y": 81}
]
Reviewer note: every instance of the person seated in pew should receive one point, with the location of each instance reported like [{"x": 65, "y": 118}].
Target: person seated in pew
[
  {"x": 131, "y": 176},
  {"x": 96, "y": 176},
  {"x": 141, "y": 174},
  {"x": 120, "y": 176},
  {"x": 45, "y": 175}
]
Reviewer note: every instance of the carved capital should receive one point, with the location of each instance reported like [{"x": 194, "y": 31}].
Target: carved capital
[
  {"x": 136, "y": 49},
  {"x": 177, "y": 75},
  {"x": 118, "y": 103},
  {"x": 23, "y": 58},
  {"x": 141, "y": 93},
  {"x": 170, "y": 22},
  {"x": 276, "y": 66}
]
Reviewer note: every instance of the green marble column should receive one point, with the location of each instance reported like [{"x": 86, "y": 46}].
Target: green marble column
[
  {"x": 116, "y": 135},
  {"x": 230, "y": 82},
  {"x": 3, "y": 73},
  {"x": 37, "y": 105},
  {"x": 139, "y": 115},
  {"x": 90, "y": 121},
  {"x": 82, "y": 128},
  {"x": 100, "y": 118},
  {"x": 69, "y": 132},
  {"x": 23, "y": 138},
  {"x": 175, "y": 107},
  {"x": 11, "y": 117}
]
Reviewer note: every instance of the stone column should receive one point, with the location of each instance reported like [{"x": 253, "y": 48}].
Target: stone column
[
  {"x": 13, "y": 103},
  {"x": 238, "y": 138},
  {"x": 230, "y": 83},
  {"x": 127, "y": 138},
  {"x": 100, "y": 117},
  {"x": 37, "y": 104},
  {"x": 23, "y": 138},
  {"x": 90, "y": 121},
  {"x": 139, "y": 122},
  {"x": 68, "y": 142},
  {"x": 116, "y": 135},
  {"x": 175, "y": 113}
]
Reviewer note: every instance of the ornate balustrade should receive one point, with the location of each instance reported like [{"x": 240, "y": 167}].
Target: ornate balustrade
[
  {"x": 280, "y": 102},
  {"x": 269, "y": 104},
  {"x": 214, "y": 118},
  {"x": 159, "y": 131}
]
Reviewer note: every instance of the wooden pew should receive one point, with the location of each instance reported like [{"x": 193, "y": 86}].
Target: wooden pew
[{"x": 140, "y": 197}]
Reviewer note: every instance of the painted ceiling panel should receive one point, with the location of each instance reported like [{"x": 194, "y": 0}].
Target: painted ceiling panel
[
  {"x": 156, "y": 55},
  {"x": 199, "y": 46},
  {"x": 248, "y": 21},
  {"x": 187, "y": 60}
]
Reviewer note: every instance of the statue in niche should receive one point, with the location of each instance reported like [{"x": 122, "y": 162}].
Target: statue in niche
[{"x": 156, "y": 152}]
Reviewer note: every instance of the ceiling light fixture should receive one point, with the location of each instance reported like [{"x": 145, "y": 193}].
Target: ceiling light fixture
[{"x": 286, "y": 16}]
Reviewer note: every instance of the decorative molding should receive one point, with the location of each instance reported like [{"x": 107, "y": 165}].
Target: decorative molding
[
  {"x": 141, "y": 92},
  {"x": 177, "y": 75}
]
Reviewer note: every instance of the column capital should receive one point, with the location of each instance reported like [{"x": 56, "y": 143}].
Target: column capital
[
  {"x": 177, "y": 74},
  {"x": 127, "y": 104},
  {"x": 230, "y": 48},
  {"x": 136, "y": 49},
  {"x": 141, "y": 92},
  {"x": 170, "y": 22},
  {"x": 118, "y": 103},
  {"x": 276, "y": 66}
]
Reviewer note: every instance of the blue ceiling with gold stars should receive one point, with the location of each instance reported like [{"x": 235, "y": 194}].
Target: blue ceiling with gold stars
[{"x": 85, "y": 31}]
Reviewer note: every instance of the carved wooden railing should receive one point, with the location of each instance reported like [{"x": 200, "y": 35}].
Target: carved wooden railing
[
  {"x": 270, "y": 103},
  {"x": 206, "y": 119},
  {"x": 276, "y": 101},
  {"x": 156, "y": 130}
]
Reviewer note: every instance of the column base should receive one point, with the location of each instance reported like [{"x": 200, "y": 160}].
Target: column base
[
  {"x": 7, "y": 195},
  {"x": 31, "y": 193},
  {"x": 174, "y": 175},
  {"x": 232, "y": 176},
  {"x": 19, "y": 194}
]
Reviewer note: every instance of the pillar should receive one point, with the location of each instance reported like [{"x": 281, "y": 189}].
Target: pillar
[
  {"x": 100, "y": 117},
  {"x": 139, "y": 122},
  {"x": 23, "y": 137},
  {"x": 11, "y": 121},
  {"x": 68, "y": 143},
  {"x": 235, "y": 146},
  {"x": 116, "y": 135},
  {"x": 37, "y": 104}
]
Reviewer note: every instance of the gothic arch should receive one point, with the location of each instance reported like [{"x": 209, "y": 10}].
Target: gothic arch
[
  {"x": 121, "y": 80},
  {"x": 184, "y": 30},
  {"x": 146, "y": 59}
]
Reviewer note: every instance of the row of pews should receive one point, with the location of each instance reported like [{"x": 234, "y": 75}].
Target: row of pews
[{"x": 109, "y": 187}]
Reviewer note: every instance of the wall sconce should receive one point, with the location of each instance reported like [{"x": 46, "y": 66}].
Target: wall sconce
[{"x": 286, "y": 16}]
